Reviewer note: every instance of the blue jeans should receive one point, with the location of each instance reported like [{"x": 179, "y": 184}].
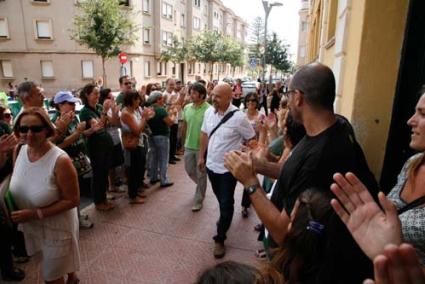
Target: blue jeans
[
  {"x": 223, "y": 186},
  {"x": 160, "y": 148}
]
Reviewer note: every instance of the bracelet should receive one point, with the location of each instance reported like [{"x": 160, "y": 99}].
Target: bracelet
[{"x": 39, "y": 213}]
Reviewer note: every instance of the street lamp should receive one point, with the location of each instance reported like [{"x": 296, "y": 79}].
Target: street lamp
[{"x": 267, "y": 8}]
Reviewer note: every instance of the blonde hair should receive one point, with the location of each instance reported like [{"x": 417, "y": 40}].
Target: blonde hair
[{"x": 413, "y": 168}]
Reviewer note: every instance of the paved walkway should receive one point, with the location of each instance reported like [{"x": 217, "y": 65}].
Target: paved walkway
[{"x": 161, "y": 241}]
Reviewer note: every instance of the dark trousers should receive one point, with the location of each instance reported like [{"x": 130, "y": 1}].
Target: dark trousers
[
  {"x": 174, "y": 129},
  {"x": 264, "y": 105},
  {"x": 101, "y": 163},
  {"x": 6, "y": 262},
  {"x": 223, "y": 186},
  {"x": 246, "y": 201},
  {"x": 137, "y": 163}
]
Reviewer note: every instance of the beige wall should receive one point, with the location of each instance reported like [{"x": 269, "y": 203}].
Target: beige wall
[{"x": 365, "y": 58}]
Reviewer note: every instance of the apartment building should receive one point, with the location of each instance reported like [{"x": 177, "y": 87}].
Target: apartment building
[
  {"x": 35, "y": 42},
  {"x": 302, "y": 32}
]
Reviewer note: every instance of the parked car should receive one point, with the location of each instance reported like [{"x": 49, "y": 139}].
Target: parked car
[{"x": 248, "y": 87}]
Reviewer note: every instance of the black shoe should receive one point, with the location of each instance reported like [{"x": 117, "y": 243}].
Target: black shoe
[
  {"x": 154, "y": 181},
  {"x": 15, "y": 275},
  {"x": 172, "y": 162},
  {"x": 176, "y": 159},
  {"x": 167, "y": 184}
]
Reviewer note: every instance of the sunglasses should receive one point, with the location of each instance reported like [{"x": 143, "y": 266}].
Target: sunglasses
[
  {"x": 7, "y": 115},
  {"x": 33, "y": 128}
]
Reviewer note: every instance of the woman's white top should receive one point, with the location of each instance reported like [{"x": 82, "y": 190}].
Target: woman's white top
[{"x": 33, "y": 185}]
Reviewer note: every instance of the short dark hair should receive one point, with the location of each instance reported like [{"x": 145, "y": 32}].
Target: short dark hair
[
  {"x": 104, "y": 95},
  {"x": 229, "y": 272},
  {"x": 202, "y": 81},
  {"x": 85, "y": 91},
  {"x": 317, "y": 83},
  {"x": 121, "y": 79},
  {"x": 251, "y": 95},
  {"x": 129, "y": 97},
  {"x": 24, "y": 89},
  {"x": 198, "y": 87}
]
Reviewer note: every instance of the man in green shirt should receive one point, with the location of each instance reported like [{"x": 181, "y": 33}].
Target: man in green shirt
[
  {"x": 193, "y": 116},
  {"x": 125, "y": 86}
]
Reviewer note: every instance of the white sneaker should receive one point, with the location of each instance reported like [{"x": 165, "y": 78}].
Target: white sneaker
[{"x": 85, "y": 223}]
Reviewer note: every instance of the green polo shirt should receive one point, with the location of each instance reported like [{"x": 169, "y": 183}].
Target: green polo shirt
[
  {"x": 194, "y": 116},
  {"x": 157, "y": 124},
  {"x": 101, "y": 141}
]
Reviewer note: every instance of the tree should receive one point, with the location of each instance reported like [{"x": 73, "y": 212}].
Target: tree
[
  {"x": 256, "y": 38},
  {"x": 103, "y": 26},
  {"x": 176, "y": 53},
  {"x": 206, "y": 48},
  {"x": 233, "y": 52},
  {"x": 277, "y": 54}
]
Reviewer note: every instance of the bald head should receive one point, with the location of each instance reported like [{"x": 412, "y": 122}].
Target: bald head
[
  {"x": 317, "y": 82},
  {"x": 222, "y": 96}
]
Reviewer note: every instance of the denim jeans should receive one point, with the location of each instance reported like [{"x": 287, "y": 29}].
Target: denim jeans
[
  {"x": 198, "y": 177},
  {"x": 223, "y": 186},
  {"x": 160, "y": 147}
]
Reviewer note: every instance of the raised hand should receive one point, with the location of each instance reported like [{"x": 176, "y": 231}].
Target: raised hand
[
  {"x": 8, "y": 142},
  {"x": 397, "y": 264},
  {"x": 371, "y": 227},
  {"x": 240, "y": 165}
]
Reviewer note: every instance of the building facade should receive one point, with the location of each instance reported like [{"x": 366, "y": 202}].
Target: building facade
[
  {"x": 302, "y": 33},
  {"x": 365, "y": 43},
  {"x": 35, "y": 42}
]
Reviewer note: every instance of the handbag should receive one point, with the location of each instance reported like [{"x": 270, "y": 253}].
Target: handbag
[
  {"x": 129, "y": 140},
  {"x": 81, "y": 163}
]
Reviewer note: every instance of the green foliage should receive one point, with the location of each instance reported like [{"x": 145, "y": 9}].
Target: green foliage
[
  {"x": 232, "y": 52},
  {"x": 277, "y": 54},
  {"x": 175, "y": 53},
  {"x": 206, "y": 47},
  {"x": 256, "y": 38},
  {"x": 103, "y": 26}
]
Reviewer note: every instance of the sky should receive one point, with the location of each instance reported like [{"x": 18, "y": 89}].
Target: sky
[{"x": 282, "y": 19}]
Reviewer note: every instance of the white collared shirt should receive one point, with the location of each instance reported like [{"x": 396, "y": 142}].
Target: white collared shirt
[{"x": 228, "y": 137}]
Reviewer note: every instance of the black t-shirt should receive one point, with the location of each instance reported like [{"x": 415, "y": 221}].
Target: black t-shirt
[{"x": 316, "y": 159}]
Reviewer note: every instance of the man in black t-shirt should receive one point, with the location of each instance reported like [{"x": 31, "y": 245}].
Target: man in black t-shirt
[{"x": 328, "y": 147}]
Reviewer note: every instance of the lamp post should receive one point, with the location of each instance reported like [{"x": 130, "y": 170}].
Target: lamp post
[{"x": 267, "y": 8}]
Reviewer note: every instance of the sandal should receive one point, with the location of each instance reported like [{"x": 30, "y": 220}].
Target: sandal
[
  {"x": 137, "y": 200},
  {"x": 142, "y": 194},
  {"x": 105, "y": 206}
]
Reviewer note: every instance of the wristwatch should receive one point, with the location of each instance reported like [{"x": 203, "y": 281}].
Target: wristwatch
[{"x": 251, "y": 189}]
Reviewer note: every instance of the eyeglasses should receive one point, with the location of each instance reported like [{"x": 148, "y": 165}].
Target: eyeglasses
[
  {"x": 127, "y": 83},
  {"x": 33, "y": 128},
  {"x": 7, "y": 115}
]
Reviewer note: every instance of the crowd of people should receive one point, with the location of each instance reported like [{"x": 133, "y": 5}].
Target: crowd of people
[{"x": 322, "y": 219}]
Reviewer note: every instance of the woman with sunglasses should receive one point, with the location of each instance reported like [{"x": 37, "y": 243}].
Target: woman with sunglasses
[
  {"x": 255, "y": 118},
  {"x": 6, "y": 116},
  {"x": 44, "y": 186}
]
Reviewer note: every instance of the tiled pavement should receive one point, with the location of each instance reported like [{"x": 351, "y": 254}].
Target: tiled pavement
[{"x": 161, "y": 241}]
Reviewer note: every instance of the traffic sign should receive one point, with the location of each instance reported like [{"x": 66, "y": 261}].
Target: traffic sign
[
  {"x": 253, "y": 62},
  {"x": 123, "y": 57}
]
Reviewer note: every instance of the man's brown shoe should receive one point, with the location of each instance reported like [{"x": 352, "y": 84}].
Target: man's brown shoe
[{"x": 219, "y": 250}]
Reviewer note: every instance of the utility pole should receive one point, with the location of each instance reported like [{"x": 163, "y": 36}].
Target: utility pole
[{"x": 267, "y": 8}]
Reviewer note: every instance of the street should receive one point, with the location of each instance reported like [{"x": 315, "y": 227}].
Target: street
[{"x": 161, "y": 241}]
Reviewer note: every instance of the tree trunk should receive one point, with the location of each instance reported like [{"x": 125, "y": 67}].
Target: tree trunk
[
  {"x": 211, "y": 70},
  {"x": 104, "y": 72}
]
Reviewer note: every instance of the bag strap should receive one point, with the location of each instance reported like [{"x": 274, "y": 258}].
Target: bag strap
[
  {"x": 415, "y": 203},
  {"x": 222, "y": 121}
]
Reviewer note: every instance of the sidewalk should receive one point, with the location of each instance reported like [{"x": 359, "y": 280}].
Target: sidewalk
[{"x": 161, "y": 241}]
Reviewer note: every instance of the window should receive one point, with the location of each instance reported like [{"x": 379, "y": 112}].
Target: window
[
  {"x": 147, "y": 69},
  {"x": 124, "y": 3},
  {"x": 333, "y": 7},
  {"x": 167, "y": 38},
  {"x": 41, "y": 1},
  {"x": 146, "y": 6},
  {"x": 303, "y": 26},
  {"x": 182, "y": 21},
  {"x": 43, "y": 29},
  {"x": 197, "y": 3},
  {"x": 6, "y": 67},
  {"x": 146, "y": 36},
  {"x": 4, "y": 29},
  {"x": 173, "y": 69},
  {"x": 167, "y": 11},
  {"x": 87, "y": 69},
  {"x": 47, "y": 69},
  {"x": 196, "y": 23}
]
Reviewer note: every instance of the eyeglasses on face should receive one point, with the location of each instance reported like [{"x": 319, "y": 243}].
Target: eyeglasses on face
[
  {"x": 127, "y": 83},
  {"x": 33, "y": 128},
  {"x": 7, "y": 115}
]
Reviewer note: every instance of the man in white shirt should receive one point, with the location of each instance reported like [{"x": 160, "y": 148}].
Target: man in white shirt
[{"x": 228, "y": 137}]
